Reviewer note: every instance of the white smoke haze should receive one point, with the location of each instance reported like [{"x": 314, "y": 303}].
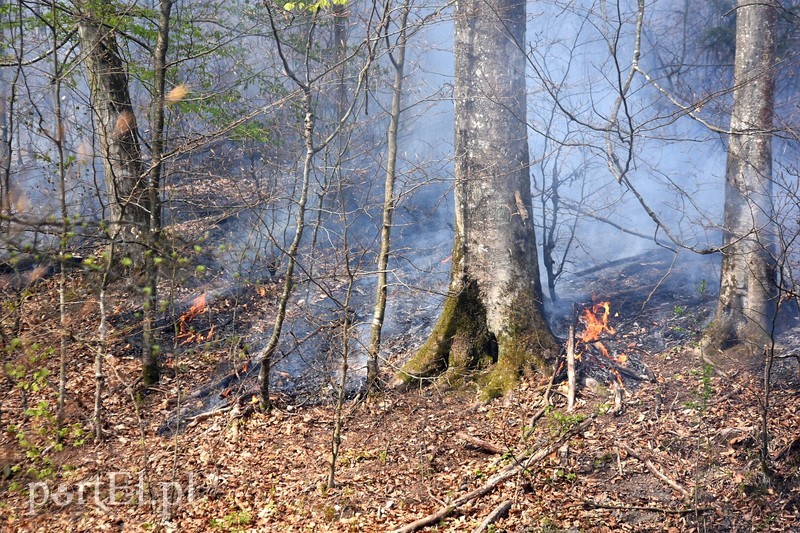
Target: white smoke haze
[{"x": 588, "y": 111}]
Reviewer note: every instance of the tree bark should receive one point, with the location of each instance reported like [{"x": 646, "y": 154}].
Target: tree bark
[
  {"x": 748, "y": 289},
  {"x": 389, "y": 200},
  {"x": 126, "y": 184},
  {"x": 493, "y": 316},
  {"x": 150, "y": 368}
]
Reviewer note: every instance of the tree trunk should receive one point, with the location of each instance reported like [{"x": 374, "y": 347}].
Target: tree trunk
[
  {"x": 63, "y": 244},
  {"x": 389, "y": 201},
  {"x": 150, "y": 369},
  {"x": 126, "y": 184},
  {"x": 494, "y": 312},
  {"x": 5, "y": 147},
  {"x": 748, "y": 290}
]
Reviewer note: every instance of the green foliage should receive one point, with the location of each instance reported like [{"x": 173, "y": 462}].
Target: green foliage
[
  {"x": 691, "y": 323},
  {"x": 26, "y": 366},
  {"x": 40, "y": 433},
  {"x": 604, "y": 408},
  {"x": 705, "y": 392},
  {"x": 602, "y": 461},
  {"x": 313, "y": 6},
  {"x": 560, "y": 422},
  {"x": 562, "y": 475},
  {"x": 702, "y": 288},
  {"x": 234, "y": 521}
]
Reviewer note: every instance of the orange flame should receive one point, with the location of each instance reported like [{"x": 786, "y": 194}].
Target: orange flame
[
  {"x": 197, "y": 308},
  {"x": 186, "y": 332},
  {"x": 595, "y": 321},
  {"x": 602, "y": 347}
]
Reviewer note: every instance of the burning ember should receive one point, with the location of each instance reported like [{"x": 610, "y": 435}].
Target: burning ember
[{"x": 185, "y": 331}]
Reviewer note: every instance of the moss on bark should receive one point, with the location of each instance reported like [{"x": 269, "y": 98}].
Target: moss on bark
[
  {"x": 461, "y": 346},
  {"x": 525, "y": 343},
  {"x": 457, "y": 343}
]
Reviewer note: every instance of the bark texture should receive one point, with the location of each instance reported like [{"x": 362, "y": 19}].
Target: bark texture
[
  {"x": 748, "y": 289},
  {"x": 126, "y": 184},
  {"x": 494, "y": 313}
]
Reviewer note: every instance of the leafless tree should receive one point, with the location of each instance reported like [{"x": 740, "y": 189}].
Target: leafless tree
[{"x": 306, "y": 81}]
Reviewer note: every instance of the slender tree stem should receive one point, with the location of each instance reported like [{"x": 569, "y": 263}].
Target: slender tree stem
[
  {"x": 389, "y": 202},
  {"x": 58, "y": 139}
]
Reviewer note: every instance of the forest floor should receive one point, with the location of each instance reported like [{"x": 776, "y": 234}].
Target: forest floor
[{"x": 683, "y": 455}]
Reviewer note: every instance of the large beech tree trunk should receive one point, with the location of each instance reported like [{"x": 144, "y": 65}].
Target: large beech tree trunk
[
  {"x": 493, "y": 317},
  {"x": 748, "y": 289},
  {"x": 126, "y": 184}
]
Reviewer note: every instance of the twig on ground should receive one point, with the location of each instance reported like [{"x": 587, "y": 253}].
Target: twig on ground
[
  {"x": 546, "y": 398},
  {"x": 686, "y": 510},
  {"x": 434, "y": 498},
  {"x": 481, "y": 444},
  {"x": 208, "y": 414},
  {"x": 519, "y": 464},
  {"x": 672, "y": 483},
  {"x": 499, "y": 512}
]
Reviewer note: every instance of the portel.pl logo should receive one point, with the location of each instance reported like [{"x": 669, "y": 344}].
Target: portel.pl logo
[{"x": 114, "y": 490}]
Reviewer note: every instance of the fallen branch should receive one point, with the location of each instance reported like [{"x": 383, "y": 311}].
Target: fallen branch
[
  {"x": 795, "y": 355},
  {"x": 519, "y": 464},
  {"x": 685, "y": 510},
  {"x": 674, "y": 484},
  {"x": 205, "y": 416},
  {"x": 481, "y": 444},
  {"x": 571, "y": 363},
  {"x": 633, "y": 374},
  {"x": 499, "y": 512},
  {"x": 546, "y": 397}
]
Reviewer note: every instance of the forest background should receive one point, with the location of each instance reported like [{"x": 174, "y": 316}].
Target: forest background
[{"x": 244, "y": 211}]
